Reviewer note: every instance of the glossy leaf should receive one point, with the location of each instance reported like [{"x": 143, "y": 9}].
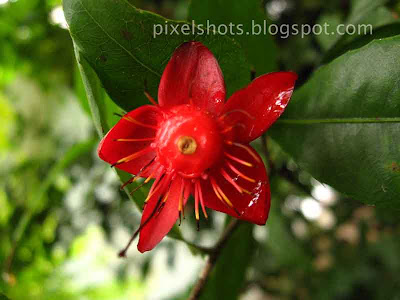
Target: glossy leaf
[
  {"x": 120, "y": 43},
  {"x": 93, "y": 98},
  {"x": 95, "y": 95},
  {"x": 259, "y": 46},
  {"x": 343, "y": 126}
]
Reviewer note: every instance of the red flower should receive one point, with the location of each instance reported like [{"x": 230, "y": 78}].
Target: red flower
[{"x": 193, "y": 143}]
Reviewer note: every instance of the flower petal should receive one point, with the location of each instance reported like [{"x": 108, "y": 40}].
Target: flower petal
[
  {"x": 193, "y": 76},
  {"x": 160, "y": 223},
  {"x": 253, "y": 208},
  {"x": 259, "y": 104},
  {"x": 111, "y": 150}
]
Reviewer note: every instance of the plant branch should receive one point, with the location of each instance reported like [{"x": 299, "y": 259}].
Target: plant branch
[
  {"x": 283, "y": 171},
  {"x": 214, "y": 253}
]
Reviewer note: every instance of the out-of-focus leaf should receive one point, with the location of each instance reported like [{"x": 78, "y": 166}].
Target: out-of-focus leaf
[
  {"x": 326, "y": 39},
  {"x": 371, "y": 12},
  {"x": 3, "y": 297},
  {"x": 120, "y": 43},
  {"x": 281, "y": 240},
  {"x": 228, "y": 277},
  {"x": 249, "y": 27},
  {"x": 343, "y": 125},
  {"x": 379, "y": 33},
  {"x": 366, "y": 16},
  {"x": 74, "y": 153}
]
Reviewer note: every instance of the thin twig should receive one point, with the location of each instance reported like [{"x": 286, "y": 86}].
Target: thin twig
[
  {"x": 264, "y": 146},
  {"x": 293, "y": 178},
  {"x": 212, "y": 259},
  {"x": 284, "y": 172}
]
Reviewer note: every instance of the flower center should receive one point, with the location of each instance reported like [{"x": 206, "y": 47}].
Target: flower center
[
  {"x": 188, "y": 141},
  {"x": 187, "y": 145}
]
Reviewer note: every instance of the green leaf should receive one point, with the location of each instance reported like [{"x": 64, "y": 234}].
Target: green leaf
[
  {"x": 119, "y": 42},
  {"x": 102, "y": 109},
  {"x": 326, "y": 40},
  {"x": 366, "y": 16},
  {"x": 80, "y": 91},
  {"x": 3, "y": 297},
  {"x": 244, "y": 15},
  {"x": 227, "y": 279},
  {"x": 379, "y": 33},
  {"x": 343, "y": 125},
  {"x": 371, "y": 12},
  {"x": 280, "y": 239},
  {"x": 95, "y": 94}
]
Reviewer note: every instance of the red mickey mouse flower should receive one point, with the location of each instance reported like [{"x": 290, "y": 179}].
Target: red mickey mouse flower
[{"x": 193, "y": 143}]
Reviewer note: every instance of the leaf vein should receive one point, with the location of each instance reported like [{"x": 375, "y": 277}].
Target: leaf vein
[
  {"x": 338, "y": 121},
  {"x": 117, "y": 43}
]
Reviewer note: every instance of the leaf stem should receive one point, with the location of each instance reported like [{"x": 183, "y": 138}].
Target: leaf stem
[{"x": 284, "y": 172}]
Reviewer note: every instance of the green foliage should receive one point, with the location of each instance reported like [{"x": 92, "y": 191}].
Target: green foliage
[
  {"x": 119, "y": 43},
  {"x": 371, "y": 12},
  {"x": 62, "y": 216},
  {"x": 95, "y": 95},
  {"x": 227, "y": 280},
  {"x": 379, "y": 33},
  {"x": 369, "y": 16},
  {"x": 342, "y": 124}
]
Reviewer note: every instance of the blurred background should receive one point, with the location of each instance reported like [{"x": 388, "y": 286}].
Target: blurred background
[{"x": 63, "y": 218}]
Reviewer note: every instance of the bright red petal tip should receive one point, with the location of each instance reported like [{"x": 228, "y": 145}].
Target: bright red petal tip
[
  {"x": 258, "y": 105},
  {"x": 193, "y": 76},
  {"x": 116, "y": 145},
  {"x": 161, "y": 221},
  {"x": 254, "y": 207}
]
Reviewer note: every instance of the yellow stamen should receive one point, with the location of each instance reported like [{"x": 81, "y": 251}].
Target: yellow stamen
[
  {"x": 132, "y": 180},
  {"x": 201, "y": 199},
  {"x": 153, "y": 191},
  {"x": 239, "y": 173},
  {"x": 134, "y": 121},
  {"x": 235, "y": 185},
  {"x": 135, "y": 140},
  {"x": 150, "y": 98},
  {"x": 150, "y": 177},
  {"x": 233, "y": 126},
  {"x": 131, "y": 157},
  {"x": 247, "y": 148},
  {"x": 166, "y": 197},
  {"x": 245, "y": 163},
  {"x": 220, "y": 194}
]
